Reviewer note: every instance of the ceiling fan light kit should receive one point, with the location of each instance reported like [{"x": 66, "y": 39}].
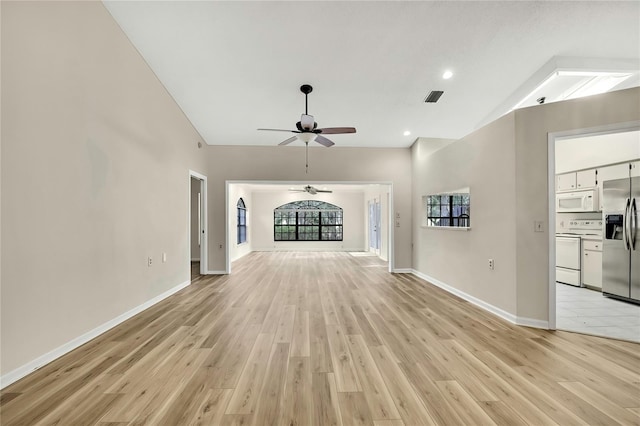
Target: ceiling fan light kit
[{"x": 307, "y": 128}]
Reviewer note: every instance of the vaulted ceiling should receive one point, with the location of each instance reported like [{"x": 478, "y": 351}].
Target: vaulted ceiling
[{"x": 234, "y": 67}]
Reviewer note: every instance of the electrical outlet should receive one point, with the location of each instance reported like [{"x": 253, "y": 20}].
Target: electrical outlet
[
  {"x": 397, "y": 224},
  {"x": 491, "y": 264},
  {"x": 220, "y": 245},
  {"x": 149, "y": 261},
  {"x": 397, "y": 215}
]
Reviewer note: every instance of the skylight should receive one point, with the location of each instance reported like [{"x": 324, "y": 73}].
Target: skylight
[{"x": 566, "y": 84}]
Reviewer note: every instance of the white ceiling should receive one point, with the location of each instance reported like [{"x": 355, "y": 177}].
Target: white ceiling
[{"x": 234, "y": 67}]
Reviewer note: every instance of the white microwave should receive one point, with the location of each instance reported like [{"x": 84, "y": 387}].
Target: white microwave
[{"x": 578, "y": 201}]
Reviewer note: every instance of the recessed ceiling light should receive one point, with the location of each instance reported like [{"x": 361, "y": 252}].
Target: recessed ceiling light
[
  {"x": 406, "y": 133},
  {"x": 447, "y": 75}
]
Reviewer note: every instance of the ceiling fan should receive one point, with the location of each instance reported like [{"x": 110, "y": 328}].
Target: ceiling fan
[
  {"x": 308, "y": 129},
  {"x": 310, "y": 189}
]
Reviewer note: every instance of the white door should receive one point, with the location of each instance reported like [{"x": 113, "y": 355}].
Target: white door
[{"x": 374, "y": 226}]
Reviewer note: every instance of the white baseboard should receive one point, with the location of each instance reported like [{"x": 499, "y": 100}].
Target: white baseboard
[
  {"x": 529, "y": 322},
  {"x": 403, "y": 271},
  {"x": 216, "y": 272},
  {"x": 533, "y": 323},
  {"x": 42, "y": 360},
  {"x": 313, "y": 249}
]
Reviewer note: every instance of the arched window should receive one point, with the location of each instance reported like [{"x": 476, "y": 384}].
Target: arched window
[
  {"x": 242, "y": 221},
  {"x": 307, "y": 220}
]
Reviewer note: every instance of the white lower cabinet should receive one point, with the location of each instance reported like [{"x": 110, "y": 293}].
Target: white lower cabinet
[{"x": 592, "y": 263}]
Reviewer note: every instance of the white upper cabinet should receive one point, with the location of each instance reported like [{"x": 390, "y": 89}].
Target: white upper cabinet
[
  {"x": 587, "y": 179},
  {"x": 617, "y": 171},
  {"x": 566, "y": 182}
]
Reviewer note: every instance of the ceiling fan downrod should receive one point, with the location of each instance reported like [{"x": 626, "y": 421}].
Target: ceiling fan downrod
[{"x": 306, "y": 89}]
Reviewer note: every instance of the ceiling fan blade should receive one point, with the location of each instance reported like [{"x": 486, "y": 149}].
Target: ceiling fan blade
[
  {"x": 280, "y": 130},
  {"x": 323, "y": 190},
  {"x": 288, "y": 141},
  {"x": 298, "y": 190},
  {"x": 324, "y": 141},
  {"x": 336, "y": 130}
]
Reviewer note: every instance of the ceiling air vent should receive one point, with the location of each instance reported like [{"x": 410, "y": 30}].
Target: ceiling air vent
[{"x": 433, "y": 96}]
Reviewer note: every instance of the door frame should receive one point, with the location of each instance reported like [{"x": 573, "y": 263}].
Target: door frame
[
  {"x": 551, "y": 185},
  {"x": 205, "y": 229}
]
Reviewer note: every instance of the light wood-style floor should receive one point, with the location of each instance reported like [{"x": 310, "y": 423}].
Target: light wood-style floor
[{"x": 328, "y": 339}]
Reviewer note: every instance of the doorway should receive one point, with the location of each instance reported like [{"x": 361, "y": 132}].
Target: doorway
[
  {"x": 262, "y": 197},
  {"x": 577, "y": 301},
  {"x": 374, "y": 226},
  {"x": 197, "y": 224}
]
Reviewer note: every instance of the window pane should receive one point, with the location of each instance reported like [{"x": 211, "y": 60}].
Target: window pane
[
  {"x": 308, "y": 233},
  {"x": 447, "y": 209},
  {"x": 302, "y": 221},
  {"x": 308, "y": 218}
]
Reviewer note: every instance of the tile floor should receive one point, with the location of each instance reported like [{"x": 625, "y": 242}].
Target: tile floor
[{"x": 587, "y": 311}]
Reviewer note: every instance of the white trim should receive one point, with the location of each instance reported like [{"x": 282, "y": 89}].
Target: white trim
[
  {"x": 403, "y": 271},
  {"x": 551, "y": 168},
  {"x": 551, "y": 220},
  {"x": 391, "y": 225},
  {"x": 227, "y": 246},
  {"x": 204, "y": 252},
  {"x": 42, "y": 360},
  {"x": 533, "y": 323},
  {"x": 217, "y": 273},
  {"x": 528, "y": 322},
  {"x": 195, "y": 260}
]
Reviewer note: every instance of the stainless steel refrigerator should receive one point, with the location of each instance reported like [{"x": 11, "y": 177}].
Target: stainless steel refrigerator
[{"x": 621, "y": 244}]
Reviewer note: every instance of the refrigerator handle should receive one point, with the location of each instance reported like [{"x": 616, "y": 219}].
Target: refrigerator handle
[
  {"x": 633, "y": 224},
  {"x": 625, "y": 225}
]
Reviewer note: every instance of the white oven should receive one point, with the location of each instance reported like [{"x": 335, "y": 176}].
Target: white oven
[
  {"x": 568, "y": 256},
  {"x": 577, "y": 201}
]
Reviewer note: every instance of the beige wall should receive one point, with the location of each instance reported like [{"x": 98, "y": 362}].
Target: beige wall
[
  {"x": 251, "y": 163},
  {"x": 262, "y": 220},
  {"x": 483, "y": 161},
  {"x": 95, "y": 160},
  {"x": 532, "y": 126}
]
